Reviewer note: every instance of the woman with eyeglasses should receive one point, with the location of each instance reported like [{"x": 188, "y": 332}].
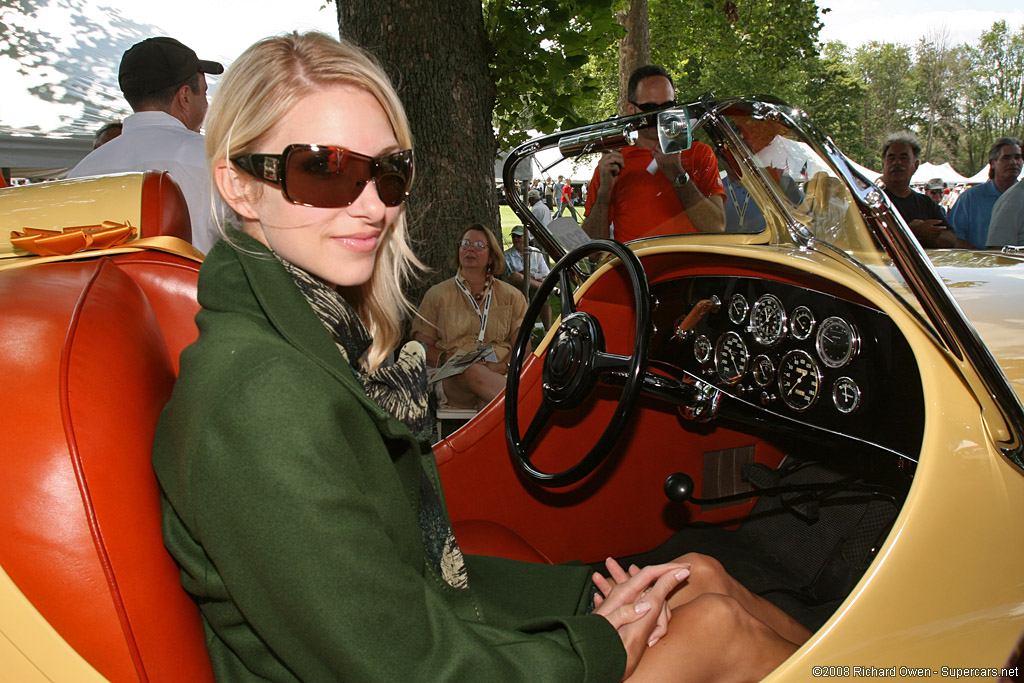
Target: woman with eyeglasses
[
  {"x": 307, "y": 520},
  {"x": 474, "y": 309}
]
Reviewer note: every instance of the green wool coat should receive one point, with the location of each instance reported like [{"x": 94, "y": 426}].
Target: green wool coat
[{"x": 291, "y": 505}]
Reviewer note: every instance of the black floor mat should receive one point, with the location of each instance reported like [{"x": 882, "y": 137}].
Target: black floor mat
[{"x": 804, "y": 555}]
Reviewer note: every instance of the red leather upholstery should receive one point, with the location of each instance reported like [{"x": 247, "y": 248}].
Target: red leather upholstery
[
  {"x": 88, "y": 356},
  {"x": 164, "y": 211}
]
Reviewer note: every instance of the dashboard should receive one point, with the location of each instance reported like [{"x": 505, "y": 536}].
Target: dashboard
[{"x": 812, "y": 357}]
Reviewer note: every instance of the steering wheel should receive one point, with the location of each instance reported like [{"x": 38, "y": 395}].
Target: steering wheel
[{"x": 574, "y": 362}]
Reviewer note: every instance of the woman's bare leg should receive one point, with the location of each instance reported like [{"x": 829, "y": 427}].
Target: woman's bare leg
[
  {"x": 713, "y": 638},
  {"x": 707, "y": 576},
  {"x": 473, "y": 388}
]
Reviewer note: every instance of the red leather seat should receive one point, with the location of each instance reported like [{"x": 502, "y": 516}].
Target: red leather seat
[{"x": 88, "y": 357}]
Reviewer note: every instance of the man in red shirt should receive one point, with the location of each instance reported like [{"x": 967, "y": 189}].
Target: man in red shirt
[
  {"x": 640, "y": 192},
  {"x": 566, "y": 198}
]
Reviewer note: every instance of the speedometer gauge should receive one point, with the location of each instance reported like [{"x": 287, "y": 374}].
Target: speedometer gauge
[
  {"x": 731, "y": 358},
  {"x": 768, "y": 320},
  {"x": 799, "y": 380},
  {"x": 837, "y": 342}
]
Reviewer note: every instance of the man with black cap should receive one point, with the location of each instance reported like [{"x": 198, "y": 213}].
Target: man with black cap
[{"x": 165, "y": 84}]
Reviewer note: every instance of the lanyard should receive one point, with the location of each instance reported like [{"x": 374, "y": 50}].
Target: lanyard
[{"x": 476, "y": 307}]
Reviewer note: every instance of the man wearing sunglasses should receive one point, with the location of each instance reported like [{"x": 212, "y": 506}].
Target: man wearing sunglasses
[
  {"x": 640, "y": 192},
  {"x": 165, "y": 85}
]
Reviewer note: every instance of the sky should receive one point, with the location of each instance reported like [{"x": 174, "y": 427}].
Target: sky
[{"x": 222, "y": 30}]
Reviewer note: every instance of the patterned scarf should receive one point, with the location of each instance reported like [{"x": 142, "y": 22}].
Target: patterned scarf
[{"x": 401, "y": 390}]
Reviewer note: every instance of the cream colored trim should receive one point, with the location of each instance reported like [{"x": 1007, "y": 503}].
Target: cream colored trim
[{"x": 30, "y": 649}]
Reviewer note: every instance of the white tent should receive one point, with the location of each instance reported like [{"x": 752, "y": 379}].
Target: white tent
[{"x": 928, "y": 171}]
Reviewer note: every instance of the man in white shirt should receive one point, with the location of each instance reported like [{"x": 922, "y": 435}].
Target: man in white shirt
[
  {"x": 514, "y": 264},
  {"x": 165, "y": 85},
  {"x": 538, "y": 208}
]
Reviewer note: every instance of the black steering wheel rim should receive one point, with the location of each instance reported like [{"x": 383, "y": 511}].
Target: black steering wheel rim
[{"x": 573, "y": 363}]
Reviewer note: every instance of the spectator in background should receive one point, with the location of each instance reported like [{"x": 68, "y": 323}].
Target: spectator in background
[
  {"x": 515, "y": 264},
  {"x": 471, "y": 309},
  {"x": 565, "y": 199},
  {"x": 644, "y": 192},
  {"x": 900, "y": 159},
  {"x": 165, "y": 84},
  {"x": 1007, "y": 225},
  {"x": 108, "y": 132},
  {"x": 538, "y": 208},
  {"x": 936, "y": 190},
  {"x": 972, "y": 212}
]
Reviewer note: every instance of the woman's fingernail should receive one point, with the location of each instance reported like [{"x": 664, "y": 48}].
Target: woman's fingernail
[
  {"x": 642, "y": 607},
  {"x": 652, "y": 642},
  {"x": 682, "y": 574}
]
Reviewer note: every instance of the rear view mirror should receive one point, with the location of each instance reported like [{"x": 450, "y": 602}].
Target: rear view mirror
[{"x": 674, "y": 130}]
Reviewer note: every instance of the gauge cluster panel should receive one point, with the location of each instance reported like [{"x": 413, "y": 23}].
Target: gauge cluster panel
[{"x": 806, "y": 354}]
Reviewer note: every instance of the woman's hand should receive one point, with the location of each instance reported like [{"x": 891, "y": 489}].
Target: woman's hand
[
  {"x": 635, "y": 603},
  {"x": 500, "y": 367}
]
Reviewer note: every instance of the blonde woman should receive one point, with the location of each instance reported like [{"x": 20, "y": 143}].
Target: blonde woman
[{"x": 307, "y": 520}]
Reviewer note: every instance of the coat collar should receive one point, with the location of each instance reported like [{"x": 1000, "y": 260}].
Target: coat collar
[{"x": 282, "y": 303}]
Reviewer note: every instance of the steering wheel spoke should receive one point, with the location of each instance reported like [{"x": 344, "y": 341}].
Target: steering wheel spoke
[
  {"x": 611, "y": 362},
  {"x": 574, "y": 361},
  {"x": 544, "y": 414},
  {"x": 565, "y": 293}
]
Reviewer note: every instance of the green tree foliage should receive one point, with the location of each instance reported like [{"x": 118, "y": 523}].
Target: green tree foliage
[
  {"x": 833, "y": 97},
  {"x": 735, "y": 48},
  {"x": 539, "y": 58},
  {"x": 884, "y": 69}
]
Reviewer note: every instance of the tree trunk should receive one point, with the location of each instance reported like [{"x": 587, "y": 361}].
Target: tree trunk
[
  {"x": 635, "y": 46},
  {"x": 436, "y": 55}
]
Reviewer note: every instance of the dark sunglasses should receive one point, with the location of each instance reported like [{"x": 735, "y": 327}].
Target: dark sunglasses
[
  {"x": 652, "y": 106},
  {"x": 331, "y": 177}
]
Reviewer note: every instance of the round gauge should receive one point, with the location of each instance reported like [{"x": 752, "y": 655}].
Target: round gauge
[
  {"x": 763, "y": 370},
  {"x": 799, "y": 380},
  {"x": 701, "y": 348},
  {"x": 801, "y": 323},
  {"x": 837, "y": 342},
  {"x": 738, "y": 308},
  {"x": 846, "y": 395},
  {"x": 768, "y": 320},
  {"x": 731, "y": 357}
]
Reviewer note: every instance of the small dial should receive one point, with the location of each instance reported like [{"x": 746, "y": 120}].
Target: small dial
[
  {"x": 701, "y": 348},
  {"x": 763, "y": 370},
  {"x": 837, "y": 342},
  {"x": 801, "y": 323},
  {"x": 731, "y": 358},
  {"x": 738, "y": 308},
  {"x": 799, "y": 380},
  {"x": 846, "y": 395},
  {"x": 768, "y": 320}
]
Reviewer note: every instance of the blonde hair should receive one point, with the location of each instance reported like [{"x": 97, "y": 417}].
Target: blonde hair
[{"x": 263, "y": 85}]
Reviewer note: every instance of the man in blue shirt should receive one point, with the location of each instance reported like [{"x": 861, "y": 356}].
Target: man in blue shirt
[{"x": 972, "y": 212}]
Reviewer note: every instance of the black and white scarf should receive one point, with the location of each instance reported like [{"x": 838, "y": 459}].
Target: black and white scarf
[{"x": 401, "y": 390}]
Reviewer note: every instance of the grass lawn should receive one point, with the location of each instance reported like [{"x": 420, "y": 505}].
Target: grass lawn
[{"x": 508, "y": 221}]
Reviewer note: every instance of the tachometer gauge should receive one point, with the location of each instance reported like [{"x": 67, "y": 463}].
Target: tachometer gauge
[
  {"x": 763, "y": 370},
  {"x": 837, "y": 342},
  {"x": 801, "y": 323},
  {"x": 768, "y": 320},
  {"x": 799, "y": 380},
  {"x": 846, "y": 395},
  {"x": 738, "y": 309},
  {"x": 701, "y": 348},
  {"x": 731, "y": 358}
]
